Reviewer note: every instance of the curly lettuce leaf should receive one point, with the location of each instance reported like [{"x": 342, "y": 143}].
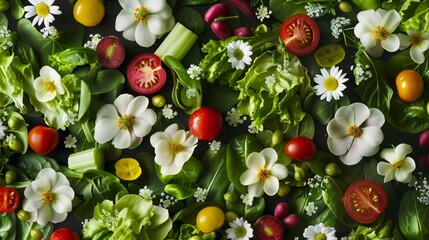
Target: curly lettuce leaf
[{"x": 11, "y": 83}]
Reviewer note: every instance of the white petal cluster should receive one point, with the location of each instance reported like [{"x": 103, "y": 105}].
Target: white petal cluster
[
  {"x": 398, "y": 165},
  {"x": 48, "y": 84}
]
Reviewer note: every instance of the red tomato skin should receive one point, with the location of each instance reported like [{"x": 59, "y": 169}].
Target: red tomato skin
[
  {"x": 350, "y": 201},
  {"x": 206, "y": 123},
  {"x": 64, "y": 234},
  {"x": 9, "y": 199},
  {"x": 300, "y": 23},
  {"x": 152, "y": 65},
  {"x": 300, "y": 148},
  {"x": 43, "y": 140}
]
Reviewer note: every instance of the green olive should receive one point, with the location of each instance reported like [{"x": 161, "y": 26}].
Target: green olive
[
  {"x": 23, "y": 215},
  {"x": 230, "y": 197},
  {"x": 301, "y": 173},
  {"x": 230, "y": 216},
  {"x": 278, "y": 137},
  {"x": 14, "y": 123},
  {"x": 158, "y": 101},
  {"x": 15, "y": 145},
  {"x": 345, "y": 7},
  {"x": 284, "y": 190},
  {"x": 10, "y": 176},
  {"x": 36, "y": 234},
  {"x": 4, "y": 5},
  {"x": 333, "y": 170}
]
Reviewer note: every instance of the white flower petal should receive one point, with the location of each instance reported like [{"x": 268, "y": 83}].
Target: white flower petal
[
  {"x": 389, "y": 155},
  {"x": 135, "y": 141},
  {"x": 361, "y": 113},
  {"x": 121, "y": 103},
  {"x": 154, "y": 6},
  {"x": 270, "y": 156},
  {"x": 130, "y": 33},
  {"x": 271, "y": 186},
  {"x": 339, "y": 146},
  {"x": 383, "y": 168},
  {"x": 141, "y": 127},
  {"x": 409, "y": 165},
  {"x": 405, "y": 41},
  {"x": 137, "y": 106},
  {"x": 123, "y": 20},
  {"x": 144, "y": 37},
  {"x": 391, "y": 20},
  {"x": 256, "y": 190},
  {"x": 402, "y": 176},
  {"x": 338, "y": 128},
  {"x": 402, "y": 150},
  {"x": 105, "y": 130},
  {"x": 157, "y": 24},
  {"x": 249, "y": 177},
  {"x": 30, "y": 205},
  {"x": 279, "y": 171},
  {"x": 376, "y": 51},
  {"x": 417, "y": 55},
  {"x": 122, "y": 140},
  {"x": 255, "y": 161},
  {"x": 376, "y": 118},
  {"x": 368, "y": 40},
  {"x": 391, "y": 44},
  {"x": 62, "y": 204},
  {"x": 107, "y": 111},
  {"x": 65, "y": 191},
  {"x": 158, "y": 136},
  {"x": 44, "y": 214}
]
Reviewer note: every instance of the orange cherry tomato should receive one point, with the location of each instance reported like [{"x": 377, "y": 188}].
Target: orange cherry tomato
[
  {"x": 409, "y": 84},
  {"x": 210, "y": 219}
]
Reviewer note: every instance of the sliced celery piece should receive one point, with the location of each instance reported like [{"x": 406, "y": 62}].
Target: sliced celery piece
[{"x": 89, "y": 159}]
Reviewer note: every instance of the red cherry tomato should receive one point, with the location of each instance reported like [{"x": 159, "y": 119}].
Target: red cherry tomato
[
  {"x": 206, "y": 123},
  {"x": 64, "y": 234},
  {"x": 43, "y": 140},
  {"x": 300, "y": 148},
  {"x": 145, "y": 73},
  {"x": 300, "y": 34},
  {"x": 364, "y": 200},
  {"x": 9, "y": 199}
]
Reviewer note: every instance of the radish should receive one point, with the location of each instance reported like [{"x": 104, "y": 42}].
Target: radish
[
  {"x": 244, "y": 6},
  {"x": 217, "y": 10},
  {"x": 243, "y": 32},
  {"x": 281, "y": 210},
  {"x": 424, "y": 139},
  {"x": 291, "y": 221},
  {"x": 221, "y": 30}
]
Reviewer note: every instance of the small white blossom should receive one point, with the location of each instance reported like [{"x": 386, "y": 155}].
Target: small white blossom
[
  {"x": 239, "y": 229},
  {"x": 314, "y": 182},
  {"x": 311, "y": 208},
  {"x": 92, "y": 43},
  {"x": 247, "y": 199},
  {"x": 253, "y": 129},
  {"x": 270, "y": 80},
  {"x": 263, "y": 12},
  {"x": 146, "y": 193},
  {"x": 72, "y": 117},
  {"x": 312, "y": 231},
  {"x": 191, "y": 92},
  {"x": 2, "y": 130},
  {"x": 285, "y": 67},
  {"x": 330, "y": 84},
  {"x": 200, "y": 194},
  {"x": 362, "y": 73},
  {"x": 239, "y": 53},
  {"x": 70, "y": 141},
  {"x": 48, "y": 84},
  {"x": 315, "y": 10},
  {"x": 419, "y": 42},
  {"x": 337, "y": 25},
  {"x": 194, "y": 72},
  {"x": 43, "y": 11},
  {"x": 234, "y": 117},
  {"x": 167, "y": 201},
  {"x": 215, "y": 145},
  {"x": 422, "y": 186},
  {"x": 168, "y": 112},
  {"x": 399, "y": 166},
  {"x": 49, "y": 31}
]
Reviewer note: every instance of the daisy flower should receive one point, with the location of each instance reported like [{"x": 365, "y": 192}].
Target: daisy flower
[
  {"x": 330, "y": 84},
  {"x": 43, "y": 10},
  {"x": 355, "y": 132},
  {"x": 144, "y": 21},
  {"x": 48, "y": 84},
  {"x": 239, "y": 53},
  {"x": 375, "y": 31},
  {"x": 239, "y": 229},
  {"x": 319, "y": 231},
  {"x": 399, "y": 166},
  {"x": 263, "y": 173},
  {"x": 419, "y": 41}
]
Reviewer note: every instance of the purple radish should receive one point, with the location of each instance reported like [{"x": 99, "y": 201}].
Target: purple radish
[
  {"x": 268, "y": 227},
  {"x": 244, "y": 7},
  {"x": 281, "y": 210},
  {"x": 215, "y": 11},
  {"x": 221, "y": 30},
  {"x": 291, "y": 221},
  {"x": 424, "y": 139},
  {"x": 243, "y": 32},
  {"x": 110, "y": 52}
]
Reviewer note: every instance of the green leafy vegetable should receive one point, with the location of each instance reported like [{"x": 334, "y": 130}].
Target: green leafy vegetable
[
  {"x": 414, "y": 217},
  {"x": 66, "y": 61}
]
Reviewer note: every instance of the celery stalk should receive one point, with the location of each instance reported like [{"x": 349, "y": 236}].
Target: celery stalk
[
  {"x": 177, "y": 43},
  {"x": 89, "y": 159}
]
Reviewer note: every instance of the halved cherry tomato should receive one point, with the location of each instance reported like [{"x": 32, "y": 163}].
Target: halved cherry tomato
[
  {"x": 410, "y": 85},
  {"x": 9, "y": 199},
  {"x": 364, "y": 201},
  {"x": 145, "y": 73},
  {"x": 43, "y": 140},
  {"x": 300, "y": 34}
]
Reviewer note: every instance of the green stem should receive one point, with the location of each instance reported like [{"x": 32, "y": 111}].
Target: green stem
[
  {"x": 28, "y": 233},
  {"x": 19, "y": 184},
  {"x": 87, "y": 131},
  {"x": 220, "y": 19}
]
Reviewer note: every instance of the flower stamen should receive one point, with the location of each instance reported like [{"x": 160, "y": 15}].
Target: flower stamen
[
  {"x": 126, "y": 122},
  {"x": 264, "y": 173},
  {"x": 49, "y": 86},
  {"x": 355, "y": 131},
  {"x": 49, "y": 197},
  {"x": 176, "y": 148},
  {"x": 142, "y": 14},
  {"x": 381, "y": 33}
]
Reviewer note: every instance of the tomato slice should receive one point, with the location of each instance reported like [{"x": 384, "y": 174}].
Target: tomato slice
[
  {"x": 145, "y": 73},
  {"x": 364, "y": 201},
  {"x": 300, "y": 34},
  {"x": 9, "y": 199}
]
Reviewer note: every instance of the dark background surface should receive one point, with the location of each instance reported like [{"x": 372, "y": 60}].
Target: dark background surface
[{"x": 65, "y": 21}]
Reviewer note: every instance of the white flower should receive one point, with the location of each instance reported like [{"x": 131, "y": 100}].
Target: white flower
[
  {"x": 144, "y": 21},
  {"x": 375, "y": 31},
  {"x": 48, "y": 84},
  {"x": 252, "y": 128},
  {"x": 239, "y": 229},
  {"x": 422, "y": 186},
  {"x": 337, "y": 25},
  {"x": 234, "y": 117},
  {"x": 2, "y": 130},
  {"x": 70, "y": 141},
  {"x": 167, "y": 111},
  {"x": 330, "y": 84},
  {"x": 419, "y": 41},
  {"x": 312, "y": 232},
  {"x": 263, "y": 173},
  {"x": 270, "y": 80},
  {"x": 43, "y": 10},
  {"x": 94, "y": 39},
  {"x": 126, "y": 121},
  {"x": 355, "y": 132},
  {"x": 200, "y": 194},
  {"x": 311, "y": 208},
  {"x": 166, "y": 200},
  {"x": 247, "y": 199},
  {"x": 49, "y": 31},
  {"x": 194, "y": 72},
  {"x": 146, "y": 193},
  {"x": 399, "y": 166},
  {"x": 191, "y": 92},
  {"x": 262, "y": 12},
  {"x": 48, "y": 198},
  {"x": 173, "y": 148},
  {"x": 239, "y": 53},
  {"x": 362, "y": 73},
  {"x": 315, "y": 9},
  {"x": 215, "y": 145}
]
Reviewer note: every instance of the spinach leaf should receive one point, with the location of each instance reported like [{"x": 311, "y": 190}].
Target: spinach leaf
[
  {"x": 4, "y": 22},
  {"x": 413, "y": 217},
  {"x": 190, "y": 18},
  {"x": 106, "y": 81},
  {"x": 8, "y": 226},
  {"x": 324, "y": 111},
  {"x": 399, "y": 62},
  {"x": 304, "y": 128},
  {"x": 409, "y": 117},
  {"x": 238, "y": 149},
  {"x": 67, "y": 60},
  {"x": 319, "y": 162},
  {"x": 189, "y": 174},
  {"x": 179, "y": 191},
  {"x": 282, "y": 9},
  {"x": 182, "y": 3},
  {"x": 32, "y": 163},
  {"x": 16, "y": 8},
  {"x": 367, "y": 4}
]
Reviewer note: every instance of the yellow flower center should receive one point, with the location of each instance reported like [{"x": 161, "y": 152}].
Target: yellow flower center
[
  {"x": 142, "y": 14},
  {"x": 42, "y": 9},
  {"x": 264, "y": 173},
  {"x": 355, "y": 131},
  {"x": 126, "y": 122},
  {"x": 381, "y": 33},
  {"x": 331, "y": 84},
  {"x": 241, "y": 232},
  {"x": 176, "y": 148},
  {"x": 238, "y": 54},
  {"x": 416, "y": 40},
  {"x": 398, "y": 164},
  {"x": 49, "y": 197},
  {"x": 49, "y": 86}
]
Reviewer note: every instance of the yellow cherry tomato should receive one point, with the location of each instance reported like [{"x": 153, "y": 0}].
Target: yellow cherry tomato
[
  {"x": 409, "y": 84},
  {"x": 128, "y": 169},
  {"x": 89, "y": 12},
  {"x": 210, "y": 219}
]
